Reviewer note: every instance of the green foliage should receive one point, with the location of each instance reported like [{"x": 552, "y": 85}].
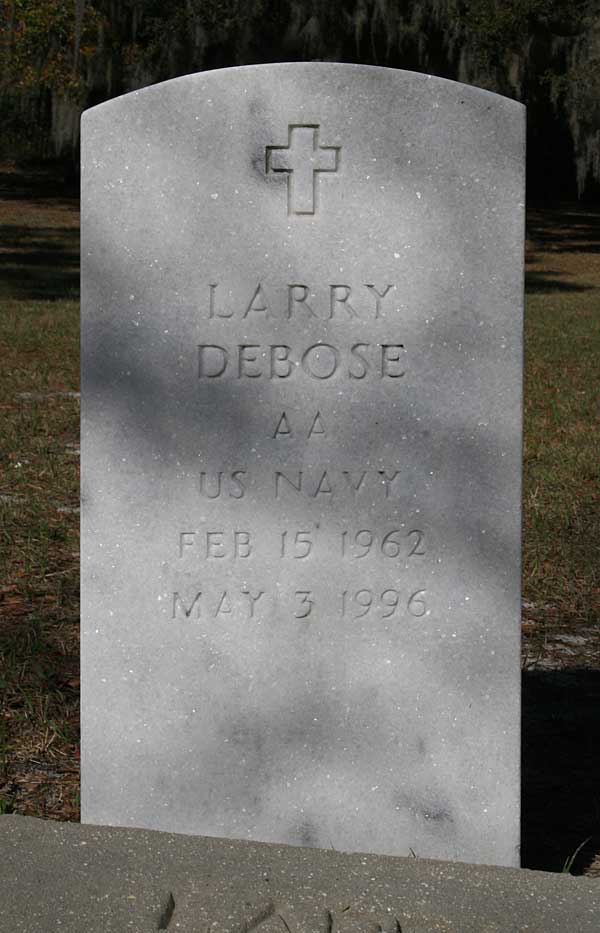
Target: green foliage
[
  {"x": 65, "y": 47},
  {"x": 45, "y": 43}
]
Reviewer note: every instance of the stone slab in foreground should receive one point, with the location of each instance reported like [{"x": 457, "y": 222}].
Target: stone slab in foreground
[{"x": 73, "y": 878}]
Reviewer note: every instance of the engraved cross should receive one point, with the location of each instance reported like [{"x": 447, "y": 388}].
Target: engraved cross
[{"x": 301, "y": 159}]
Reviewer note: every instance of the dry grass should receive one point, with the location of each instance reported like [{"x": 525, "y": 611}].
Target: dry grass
[
  {"x": 561, "y": 503},
  {"x": 39, "y": 498}
]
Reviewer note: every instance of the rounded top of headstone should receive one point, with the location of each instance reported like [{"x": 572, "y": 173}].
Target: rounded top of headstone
[{"x": 342, "y": 75}]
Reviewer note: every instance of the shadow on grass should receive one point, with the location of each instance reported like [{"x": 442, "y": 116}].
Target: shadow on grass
[
  {"x": 561, "y": 768},
  {"x": 39, "y": 263},
  {"x": 548, "y": 282},
  {"x": 28, "y": 183},
  {"x": 560, "y": 232},
  {"x": 565, "y": 231}
]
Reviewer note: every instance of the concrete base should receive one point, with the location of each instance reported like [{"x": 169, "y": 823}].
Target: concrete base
[{"x": 72, "y": 878}]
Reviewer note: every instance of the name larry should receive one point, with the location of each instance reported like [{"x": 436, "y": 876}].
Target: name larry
[{"x": 287, "y": 301}]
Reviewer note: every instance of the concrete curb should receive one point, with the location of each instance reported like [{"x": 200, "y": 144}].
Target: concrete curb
[{"x": 96, "y": 879}]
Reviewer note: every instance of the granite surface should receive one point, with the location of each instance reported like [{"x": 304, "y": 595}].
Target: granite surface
[
  {"x": 72, "y": 878},
  {"x": 301, "y": 458}
]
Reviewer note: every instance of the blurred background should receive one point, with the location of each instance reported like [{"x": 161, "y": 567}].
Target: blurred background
[{"x": 58, "y": 57}]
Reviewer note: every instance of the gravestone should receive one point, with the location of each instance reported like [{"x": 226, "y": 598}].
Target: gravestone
[{"x": 301, "y": 446}]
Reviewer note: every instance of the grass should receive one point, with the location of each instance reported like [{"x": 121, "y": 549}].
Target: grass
[
  {"x": 561, "y": 544},
  {"x": 39, "y": 493},
  {"x": 570, "y": 861},
  {"x": 39, "y": 354}
]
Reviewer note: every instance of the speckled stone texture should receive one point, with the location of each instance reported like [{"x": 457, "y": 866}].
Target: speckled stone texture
[
  {"x": 301, "y": 454},
  {"x": 57, "y": 876}
]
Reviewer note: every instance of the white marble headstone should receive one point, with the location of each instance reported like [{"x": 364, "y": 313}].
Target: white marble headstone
[{"x": 301, "y": 453}]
